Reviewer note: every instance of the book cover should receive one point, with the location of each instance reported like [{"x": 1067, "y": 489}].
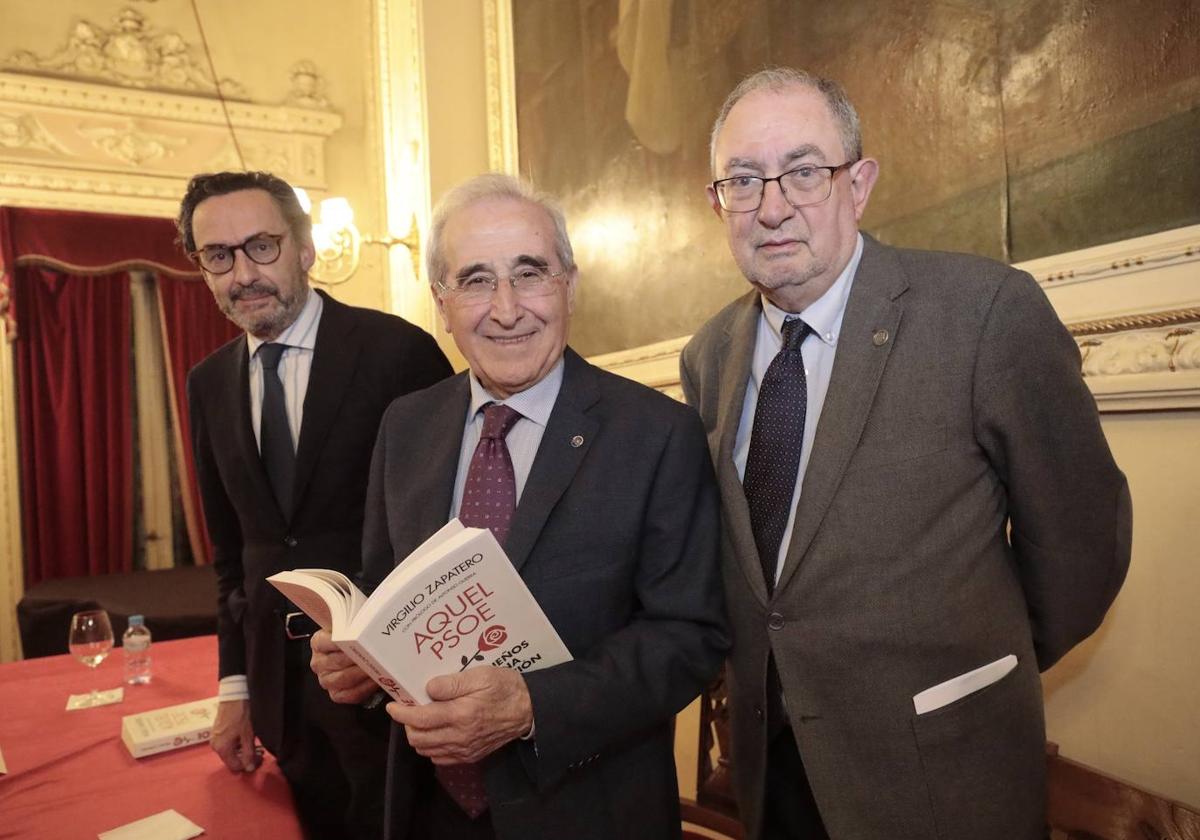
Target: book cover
[
  {"x": 454, "y": 603},
  {"x": 169, "y": 728}
]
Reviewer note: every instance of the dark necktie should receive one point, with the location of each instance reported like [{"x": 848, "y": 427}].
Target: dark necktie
[
  {"x": 489, "y": 499},
  {"x": 771, "y": 473},
  {"x": 275, "y": 438},
  {"x": 775, "y": 444}
]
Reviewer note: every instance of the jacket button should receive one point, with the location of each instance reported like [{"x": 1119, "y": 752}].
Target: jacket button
[
  {"x": 758, "y": 713},
  {"x": 775, "y": 621},
  {"x": 290, "y": 541}
]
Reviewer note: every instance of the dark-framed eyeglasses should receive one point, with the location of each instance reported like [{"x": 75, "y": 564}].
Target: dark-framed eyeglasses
[
  {"x": 528, "y": 281},
  {"x": 803, "y": 186},
  {"x": 262, "y": 248}
]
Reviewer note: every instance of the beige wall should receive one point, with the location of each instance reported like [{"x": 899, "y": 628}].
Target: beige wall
[
  {"x": 455, "y": 85},
  {"x": 1128, "y": 699}
]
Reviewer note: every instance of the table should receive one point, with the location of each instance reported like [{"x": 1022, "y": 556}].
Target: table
[
  {"x": 177, "y": 603},
  {"x": 69, "y": 775}
]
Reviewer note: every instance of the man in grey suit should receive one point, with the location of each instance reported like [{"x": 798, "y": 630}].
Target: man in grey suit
[
  {"x": 920, "y": 508},
  {"x": 611, "y": 519}
]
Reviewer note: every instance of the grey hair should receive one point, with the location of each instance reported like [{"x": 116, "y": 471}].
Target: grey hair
[
  {"x": 780, "y": 78},
  {"x": 492, "y": 185}
]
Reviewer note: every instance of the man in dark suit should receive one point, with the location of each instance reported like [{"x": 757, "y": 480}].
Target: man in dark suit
[
  {"x": 613, "y": 528},
  {"x": 283, "y": 421},
  {"x": 920, "y": 508}
]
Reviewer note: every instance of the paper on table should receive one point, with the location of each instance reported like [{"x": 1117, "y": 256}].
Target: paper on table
[
  {"x": 3, "y": 766},
  {"x": 165, "y": 825},
  {"x": 103, "y": 698}
]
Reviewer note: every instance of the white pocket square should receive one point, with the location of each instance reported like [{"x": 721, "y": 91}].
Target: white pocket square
[{"x": 956, "y": 688}]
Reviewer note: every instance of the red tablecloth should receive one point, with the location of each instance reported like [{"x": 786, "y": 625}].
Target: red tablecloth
[{"x": 69, "y": 775}]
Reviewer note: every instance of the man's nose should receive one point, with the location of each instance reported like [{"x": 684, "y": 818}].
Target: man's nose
[
  {"x": 505, "y": 305},
  {"x": 245, "y": 270},
  {"x": 775, "y": 208}
]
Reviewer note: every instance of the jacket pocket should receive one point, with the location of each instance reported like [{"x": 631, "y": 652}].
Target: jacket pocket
[{"x": 983, "y": 760}]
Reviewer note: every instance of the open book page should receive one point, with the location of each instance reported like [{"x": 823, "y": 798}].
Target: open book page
[
  {"x": 325, "y": 603},
  {"x": 352, "y": 595}
]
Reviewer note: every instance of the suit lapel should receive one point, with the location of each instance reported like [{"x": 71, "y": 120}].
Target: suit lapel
[
  {"x": 862, "y": 353},
  {"x": 566, "y": 441},
  {"x": 436, "y": 465},
  {"x": 334, "y": 359},
  {"x": 736, "y": 357}
]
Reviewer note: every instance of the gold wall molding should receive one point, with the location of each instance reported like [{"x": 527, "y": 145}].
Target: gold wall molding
[
  {"x": 1133, "y": 308},
  {"x": 12, "y": 574},
  {"x": 1133, "y": 322},
  {"x": 501, "y": 86}
]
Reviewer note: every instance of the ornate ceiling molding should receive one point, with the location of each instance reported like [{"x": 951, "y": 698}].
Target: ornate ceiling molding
[
  {"x": 79, "y": 145},
  {"x": 120, "y": 116}
]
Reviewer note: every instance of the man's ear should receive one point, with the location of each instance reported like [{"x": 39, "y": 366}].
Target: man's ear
[
  {"x": 862, "y": 180},
  {"x": 441, "y": 308},
  {"x": 308, "y": 254},
  {"x": 713, "y": 201},
  {"x": 572, "y": 279}
]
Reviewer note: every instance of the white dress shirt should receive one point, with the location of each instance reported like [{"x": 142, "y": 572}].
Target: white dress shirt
[{"x": 295, "y": 364}]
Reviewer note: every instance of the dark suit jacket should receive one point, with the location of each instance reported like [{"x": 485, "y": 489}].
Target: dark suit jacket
[
  {"x": 617, "y": 540},
  {"x": 955, "y": 412},
  {"x": 363, "y": 360}
]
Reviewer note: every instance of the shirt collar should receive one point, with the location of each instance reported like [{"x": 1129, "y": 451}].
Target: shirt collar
[
  {"x": 534, "y": 403},
  {"x": 824, "y": 315},
  {"x": 302, "y": 332}
]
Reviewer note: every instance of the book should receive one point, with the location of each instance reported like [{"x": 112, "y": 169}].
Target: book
[
  {"x": 170, "y": 728},
  {"x": 454, "y": 603}
]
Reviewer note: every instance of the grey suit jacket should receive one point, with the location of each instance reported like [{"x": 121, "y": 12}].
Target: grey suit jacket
[
  {"x": 960, "y": 505},
  {"x": 363, "y": 359},
  {"x": 616, "y": 535}
]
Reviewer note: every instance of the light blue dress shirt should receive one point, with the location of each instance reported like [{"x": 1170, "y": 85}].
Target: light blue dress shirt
[{"x": 824, "y": 316}]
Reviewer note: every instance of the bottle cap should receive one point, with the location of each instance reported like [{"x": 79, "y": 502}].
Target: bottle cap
[{"x": 136, "y": 619}]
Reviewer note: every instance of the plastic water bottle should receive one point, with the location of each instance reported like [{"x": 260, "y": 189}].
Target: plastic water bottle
[{"x": 136, "y": 644}]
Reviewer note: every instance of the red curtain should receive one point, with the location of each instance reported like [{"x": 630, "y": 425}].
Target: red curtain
[
  {"x": 74, "y": 392},
  {"x": 192, "y": 328},
  {"x": 71, "y": 312}
]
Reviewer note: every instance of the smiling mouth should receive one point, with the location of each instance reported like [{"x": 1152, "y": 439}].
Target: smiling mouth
[{"x": 506, "y": 340}]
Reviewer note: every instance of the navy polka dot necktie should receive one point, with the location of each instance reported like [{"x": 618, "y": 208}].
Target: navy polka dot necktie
[
  {"x": 489, "y": 499},
  {"x": 775, "y": 444}
]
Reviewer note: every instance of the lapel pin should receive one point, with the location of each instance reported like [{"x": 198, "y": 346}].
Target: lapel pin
[
  {"x": 879, "y": 338},
  {"x": 577, "y": 441}
]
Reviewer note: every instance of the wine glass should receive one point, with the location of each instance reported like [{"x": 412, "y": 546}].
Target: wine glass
[{"x": 90, "y": 641}]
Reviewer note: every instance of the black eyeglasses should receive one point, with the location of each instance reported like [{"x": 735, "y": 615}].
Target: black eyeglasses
[
  {"x": 803, "y": 186},
  {"x": 262, "y": 248}
]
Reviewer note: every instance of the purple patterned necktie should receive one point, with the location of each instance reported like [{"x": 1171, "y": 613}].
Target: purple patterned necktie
[
  {"x": 775, "y": 444},
  {"x": 489, "y": 499}
]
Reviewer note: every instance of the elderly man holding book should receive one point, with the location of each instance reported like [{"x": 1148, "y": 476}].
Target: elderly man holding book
[{"x": 602, "y": 495}]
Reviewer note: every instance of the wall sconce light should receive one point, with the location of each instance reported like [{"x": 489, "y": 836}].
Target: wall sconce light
[{"x": 338, "y": 241}]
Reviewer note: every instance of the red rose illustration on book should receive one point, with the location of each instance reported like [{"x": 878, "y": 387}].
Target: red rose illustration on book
[{"x": 490, "y": 639}]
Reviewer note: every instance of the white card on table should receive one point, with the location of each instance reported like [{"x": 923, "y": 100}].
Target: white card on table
[
  {"x": 165, "y": 825},
  {"x": 103, "y": 698}
]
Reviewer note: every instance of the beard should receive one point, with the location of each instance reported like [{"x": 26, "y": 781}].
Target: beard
[{"x": 265, "y": 323}]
